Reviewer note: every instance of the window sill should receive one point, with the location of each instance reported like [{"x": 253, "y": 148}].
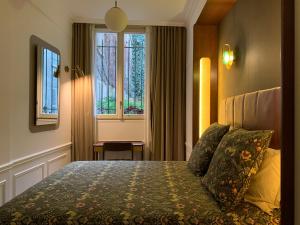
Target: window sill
[{"x": 120, "y": 119}]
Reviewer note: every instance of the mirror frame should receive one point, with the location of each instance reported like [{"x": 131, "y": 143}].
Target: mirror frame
[{"x": 35, "y": 45}]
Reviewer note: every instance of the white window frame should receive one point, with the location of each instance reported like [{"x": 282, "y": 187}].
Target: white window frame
[{"x": 120, "y": 76}]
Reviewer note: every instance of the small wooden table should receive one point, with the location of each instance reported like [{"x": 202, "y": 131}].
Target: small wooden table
[{"x": 138, "y": 146}]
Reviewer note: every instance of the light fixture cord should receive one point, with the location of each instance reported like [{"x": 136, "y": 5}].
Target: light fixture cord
[{"x": 116, "y": 3}]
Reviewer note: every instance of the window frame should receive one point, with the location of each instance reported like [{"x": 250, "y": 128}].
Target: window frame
[{"x": 120, "y": 75}]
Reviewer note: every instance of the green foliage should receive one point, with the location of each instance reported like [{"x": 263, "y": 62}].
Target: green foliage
[
  {"x": 137, "y": 67},
  {"x": 133, "y": 107},
  {"x": 106, "y": 106}
]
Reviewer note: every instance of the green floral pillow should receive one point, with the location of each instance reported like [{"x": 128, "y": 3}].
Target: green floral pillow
[
  {"x": 206, "y": 146},
  {"x": 236, "y": 160}
]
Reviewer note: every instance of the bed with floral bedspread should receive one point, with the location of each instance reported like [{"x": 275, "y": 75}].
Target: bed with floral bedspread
[{"x": 125, "y": 192}]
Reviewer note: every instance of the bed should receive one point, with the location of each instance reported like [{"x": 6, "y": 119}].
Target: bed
[{"x": 148, "y": 192}]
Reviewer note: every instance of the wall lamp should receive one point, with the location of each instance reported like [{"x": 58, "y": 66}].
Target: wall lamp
[
  {"x": 228, "y": 56},
  {"x": 204, "y": 94},
  {"x": 77, "y": 69}
]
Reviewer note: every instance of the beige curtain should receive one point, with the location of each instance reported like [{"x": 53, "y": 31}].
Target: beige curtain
[
  {"x": 82, "y": 93},
  {"x": 167, "y": 71}
]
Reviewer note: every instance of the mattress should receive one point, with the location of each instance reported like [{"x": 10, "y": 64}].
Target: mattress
[{"x": 125, "y": 192}]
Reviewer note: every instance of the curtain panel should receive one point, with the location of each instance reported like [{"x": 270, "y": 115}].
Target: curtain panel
[
  {"x": 82, "y": 93},
  {"x": 167, "y": 75}
]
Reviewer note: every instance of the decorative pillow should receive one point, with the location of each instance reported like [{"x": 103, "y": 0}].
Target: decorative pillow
[
  {"x": 205, "y": 148},
  {"x": 236, "y": 160},
  {"x": 264, "y": 187}
]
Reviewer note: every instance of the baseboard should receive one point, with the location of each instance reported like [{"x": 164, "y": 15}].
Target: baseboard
[{"x": 20, "y": 174}]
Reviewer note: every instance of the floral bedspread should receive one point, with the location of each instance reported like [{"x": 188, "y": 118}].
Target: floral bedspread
[{"x": 124, "y": 192}]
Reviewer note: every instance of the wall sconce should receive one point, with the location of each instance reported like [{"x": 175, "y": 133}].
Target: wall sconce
[
  {"x": 77, "y": 69},
  {"x": 204, "y": 95},
  {"x": 228, "y": 56}
]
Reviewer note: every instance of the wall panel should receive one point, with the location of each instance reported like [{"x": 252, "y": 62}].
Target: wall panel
[
  {"x": 27, "y": 178},
  {"x": 23, "y": 173},
  {"x": 2, "y": 191}
]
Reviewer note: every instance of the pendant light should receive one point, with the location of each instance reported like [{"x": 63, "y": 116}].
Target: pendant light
[{"x": 116, "y": 19}]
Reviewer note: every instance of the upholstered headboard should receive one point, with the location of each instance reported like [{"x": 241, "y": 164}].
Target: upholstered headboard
[{"x": 260, "y": 110}]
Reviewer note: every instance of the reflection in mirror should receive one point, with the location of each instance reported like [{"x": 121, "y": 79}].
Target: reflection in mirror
[{"x": 47, "y": 107}]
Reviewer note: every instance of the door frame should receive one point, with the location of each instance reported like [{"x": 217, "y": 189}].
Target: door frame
[{"x": 288, "y": 112}]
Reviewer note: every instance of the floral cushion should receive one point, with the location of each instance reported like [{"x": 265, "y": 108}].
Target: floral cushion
[
  {"x": 236, "y": 160},
  {"x": 205, "y": 148}
]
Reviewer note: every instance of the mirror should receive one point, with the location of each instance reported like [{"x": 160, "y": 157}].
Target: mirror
[
  {"x": 45, "y": 61},
  {"x": 47, "y": 102}
]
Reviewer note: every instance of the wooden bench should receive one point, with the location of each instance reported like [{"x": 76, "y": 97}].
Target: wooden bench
[{"x": 137, "y": 146}]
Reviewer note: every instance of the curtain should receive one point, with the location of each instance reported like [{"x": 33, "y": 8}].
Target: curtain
[
  {"x": 167, "y": 71},
  {"x": 147, "y": 140},
  {"x": 83, "y": 118}
]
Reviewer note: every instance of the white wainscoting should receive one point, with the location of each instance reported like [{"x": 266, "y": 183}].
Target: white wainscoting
[
  {"x": 21, "y": 174},
  {"x": 27, "y": 178},
  {"x": 2, "y": 191},
  {"x": 57, "y": 163}
]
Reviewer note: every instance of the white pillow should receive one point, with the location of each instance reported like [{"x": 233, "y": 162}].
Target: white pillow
[{"x": 264, "y": 189}]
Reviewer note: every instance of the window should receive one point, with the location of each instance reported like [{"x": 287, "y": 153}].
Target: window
[
  {"x": 106, "y": 73},
  {"x": 120, "y": 75},
  {"x": 134, "y": 73}
]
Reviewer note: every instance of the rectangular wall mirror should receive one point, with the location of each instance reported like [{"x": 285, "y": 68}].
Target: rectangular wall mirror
[{"x": 44, "y": 85}]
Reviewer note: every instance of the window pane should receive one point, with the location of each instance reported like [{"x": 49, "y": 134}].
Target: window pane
[
  {"x": 134, "y": 73},
  {"x": 105, "y": 66},
  {"x": 50, "y": 63}
]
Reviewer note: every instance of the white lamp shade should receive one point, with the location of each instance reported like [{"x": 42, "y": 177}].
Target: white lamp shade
[{"x": 116, "y": 19}]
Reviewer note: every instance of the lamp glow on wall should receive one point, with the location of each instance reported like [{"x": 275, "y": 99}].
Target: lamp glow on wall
[
  {"x": 228, "y": 56},
  {"x": 204, "y": 95},
  {"x": 116, "y": 19}
]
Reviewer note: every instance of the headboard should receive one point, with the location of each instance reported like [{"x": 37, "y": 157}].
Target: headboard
[{"x": 260, "y": 110}]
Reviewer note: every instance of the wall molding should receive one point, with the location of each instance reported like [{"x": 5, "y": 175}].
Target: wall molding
[
  {"x": 33, "y": 157},
  {"x": 20, "y": 174},
  {"x": 132, "y": 22},
  {"x": 3, "y": 192},
  {"x": 54, "y": 160},
  {"x": 193, "y": 11},
  {"x": 25, "y": 172}
]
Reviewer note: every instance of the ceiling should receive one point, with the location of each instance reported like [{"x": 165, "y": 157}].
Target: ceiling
[{"x": 146, "y": 12}]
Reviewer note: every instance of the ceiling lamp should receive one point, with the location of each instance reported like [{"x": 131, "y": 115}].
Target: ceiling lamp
[{"x": 116, "y": 19}]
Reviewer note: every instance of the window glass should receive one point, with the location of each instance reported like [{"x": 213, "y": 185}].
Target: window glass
[
  {"x": 134, "y": 73},
  {"x": 105, "y": 69}
]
